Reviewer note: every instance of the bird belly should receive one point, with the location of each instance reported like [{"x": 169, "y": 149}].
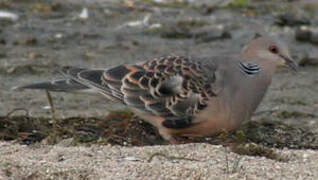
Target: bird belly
[{"x": 209, "y": 122}]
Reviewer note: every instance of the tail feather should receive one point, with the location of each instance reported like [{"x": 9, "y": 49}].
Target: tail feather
[
  {"x": 70, "y": 71},
  {"x": 78, "y": 80},
  {"x": 63, "y": 85}
]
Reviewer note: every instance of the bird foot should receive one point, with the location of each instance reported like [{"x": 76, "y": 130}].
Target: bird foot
[{"x": 174, "y": 141}]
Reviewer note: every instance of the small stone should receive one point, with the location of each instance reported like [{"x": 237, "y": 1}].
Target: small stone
[
  {"x": 209, "y": 34},
  {"x": 3, "y": 55},
  {"x": 132, "y": 158},
  {"x": 314, "y": 38},
  {"x": 30, "y": 41},
  {"x": 8, "y": 15},
  {"x": 58, "y": 35},
  {"x": 291, "y": 20},
  {"x": 84, "y": 14},
  {"x": 308, "y": 61},
  {"x": 3, "y": 41},
  {"x": 34, "y": 55},
  {"x": 88, "y": 55},
  {"x": 302, "y": 34}
]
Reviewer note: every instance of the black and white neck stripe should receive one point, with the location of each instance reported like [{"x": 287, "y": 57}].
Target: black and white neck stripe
[{"x": 249, "y": 68}]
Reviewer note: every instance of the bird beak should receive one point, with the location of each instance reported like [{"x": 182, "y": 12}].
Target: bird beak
[{"x": 290, "y": 63}]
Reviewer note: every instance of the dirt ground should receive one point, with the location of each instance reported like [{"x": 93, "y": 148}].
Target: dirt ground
[{"x": 97, "y": 143}]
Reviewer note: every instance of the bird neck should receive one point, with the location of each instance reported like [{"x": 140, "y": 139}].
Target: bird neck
[{"x": 267, "y": 66}]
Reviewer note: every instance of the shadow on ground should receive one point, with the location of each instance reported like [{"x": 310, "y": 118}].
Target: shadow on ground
[{"x": 124, "y": 129}]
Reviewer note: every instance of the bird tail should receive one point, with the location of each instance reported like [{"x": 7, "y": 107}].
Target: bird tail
[
  {"x": 66, "y": 84},
  {"x": 78, "y": 80},
  {"x": 63, "y": 85}
]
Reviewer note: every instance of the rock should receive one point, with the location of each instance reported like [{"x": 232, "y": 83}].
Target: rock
[
  {"x": 84, "y": 14},
  {"x": 211, "y": 34},
  {"x": 289, "y": 19},
  {"x": 308, "y": 61},
  {"x": 314, "y": 38},
  {"x": 30, "y": 41},
  {"x": 8, "y": 16},
  {"x": 2, "y": 55},
  {"x": 307, "y": 34},
  {"x": 46, "y": 7},
  {"x": 193, "y": 28},
  {"x": 176, "y": 33},
  {"x": 3, "y": 41},
  {"x": 302, "y": 34}
]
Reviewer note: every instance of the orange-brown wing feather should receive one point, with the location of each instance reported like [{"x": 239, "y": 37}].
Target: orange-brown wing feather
[{"x": 172, "y": 87}]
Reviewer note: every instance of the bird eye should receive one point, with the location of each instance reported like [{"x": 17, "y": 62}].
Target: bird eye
[{"x": 273, "y": 49}]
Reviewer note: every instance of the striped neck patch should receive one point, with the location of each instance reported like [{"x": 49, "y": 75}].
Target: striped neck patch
[{"x": 249, "y": 68}]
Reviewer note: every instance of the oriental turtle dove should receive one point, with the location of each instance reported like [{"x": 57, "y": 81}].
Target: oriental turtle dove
[{"x": 196, "y": 98}]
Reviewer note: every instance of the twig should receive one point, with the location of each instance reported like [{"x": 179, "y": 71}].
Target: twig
[
  {"x": 227, "y": 161},
  {"x": 18, "y": 109},
  {"x": 262, "y": 112},
  {"x": 236, "y": 165},
  {"x": 52, "y": 109},
  {"x": 170, "y": 157}
]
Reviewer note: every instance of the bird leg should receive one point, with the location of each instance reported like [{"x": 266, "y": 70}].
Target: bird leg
[{"x": 167, "y": 136}]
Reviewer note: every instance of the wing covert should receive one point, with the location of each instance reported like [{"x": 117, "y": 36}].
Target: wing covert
[{"x": 172, "y": 87}]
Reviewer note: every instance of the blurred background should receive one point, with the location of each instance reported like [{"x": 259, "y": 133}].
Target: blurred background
[{"x": 38, "y": 35}]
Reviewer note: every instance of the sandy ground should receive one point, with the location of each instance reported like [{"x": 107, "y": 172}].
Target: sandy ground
[
  {"x": 47, "y": 34},
  {"x": 189, "y": 161}
]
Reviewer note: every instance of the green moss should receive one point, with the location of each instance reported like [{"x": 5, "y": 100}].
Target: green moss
[
  {"x": 168, "y": 4},
  {"x": 240, "y": 3},
  {"x": 240, "y": 135},
  {"x": 293, "y": 114},
  {"x": 44, "y": 7},
  {"x": 311, "y": 9},
  {"x": 292, "y": 101}
]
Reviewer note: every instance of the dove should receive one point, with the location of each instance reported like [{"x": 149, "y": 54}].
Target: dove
[{"x": 185, "y": 97}]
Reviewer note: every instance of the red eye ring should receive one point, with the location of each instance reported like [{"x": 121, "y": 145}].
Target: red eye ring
[{"x": 273, "y": 49}]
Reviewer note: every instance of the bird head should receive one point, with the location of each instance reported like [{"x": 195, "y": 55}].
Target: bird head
[{"x": 272, "y": 51}]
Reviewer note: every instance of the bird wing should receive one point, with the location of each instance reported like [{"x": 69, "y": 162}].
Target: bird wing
[{"x": 172, "y": 87}]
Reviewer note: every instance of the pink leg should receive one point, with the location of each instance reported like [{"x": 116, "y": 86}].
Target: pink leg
[
  {"x": 167, "y": 136},
  {"x": 174, "y": 141}
]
